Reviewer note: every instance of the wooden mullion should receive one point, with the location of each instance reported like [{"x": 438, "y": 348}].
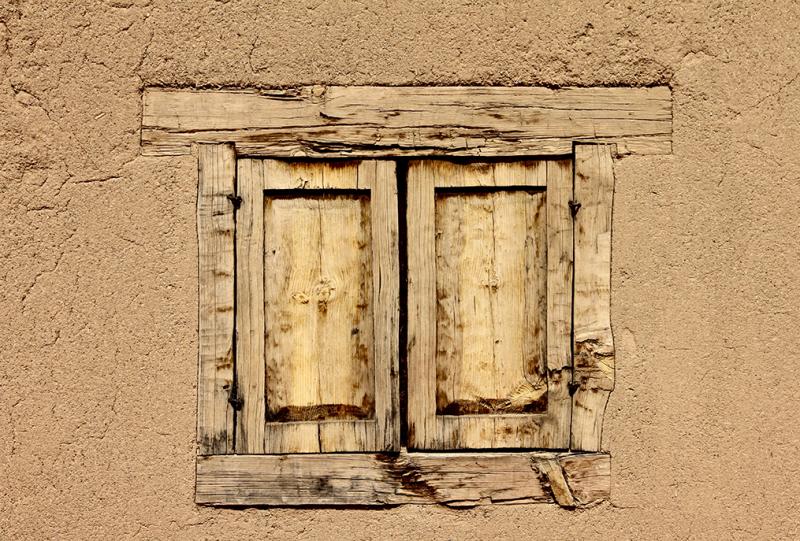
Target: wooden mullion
[
  {"x": 381, "y": 179},
  {"x": 421, "y": 311},
  {"x": 593, "y": 347},
  {"x": 215, "y": 236}
]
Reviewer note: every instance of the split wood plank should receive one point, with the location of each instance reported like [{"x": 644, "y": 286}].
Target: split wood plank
[
  {"x": 440, "y": 369},
  {"x": 453, "y": 479},
  {"x": 408, "y": 121},
  {"x": 215, "y": 237},
  {"x": 593, "y": 339}
]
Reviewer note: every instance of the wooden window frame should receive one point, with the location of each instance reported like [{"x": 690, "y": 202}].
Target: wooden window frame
[{"x": 588, "y": 126}]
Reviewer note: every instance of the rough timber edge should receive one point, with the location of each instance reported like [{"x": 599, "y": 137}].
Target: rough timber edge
[
  {"x": 572, "y": 480},
  {"x": 378, "y": 121}
]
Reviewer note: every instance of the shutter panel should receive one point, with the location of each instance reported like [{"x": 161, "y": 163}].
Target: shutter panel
[
  {"x": 317, "y": 306},
  {"x": 490, "y": 304}
]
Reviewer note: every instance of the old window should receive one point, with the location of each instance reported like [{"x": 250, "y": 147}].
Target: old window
[{"x": 388, "y": 316}]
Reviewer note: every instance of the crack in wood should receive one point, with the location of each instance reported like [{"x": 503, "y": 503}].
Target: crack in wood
[{"x": 402, "y": 469}]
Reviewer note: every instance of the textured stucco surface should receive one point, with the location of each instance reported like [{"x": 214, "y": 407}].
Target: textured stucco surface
[{"x": 99, "y": 279}]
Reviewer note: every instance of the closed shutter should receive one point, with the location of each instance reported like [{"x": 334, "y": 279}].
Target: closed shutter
[
  {"x": 489, "y": 304},
  {"x": 317, "y": 306}
]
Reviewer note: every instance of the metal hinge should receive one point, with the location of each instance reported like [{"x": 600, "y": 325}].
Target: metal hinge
[
  {"x": 574, "y": 207},
  {"x": 235, "y": 199},
  {"x": 235, "y": 400},
  {"x": 573, "y": 386}
]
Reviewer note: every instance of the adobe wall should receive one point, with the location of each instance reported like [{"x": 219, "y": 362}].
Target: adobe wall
[{"x": 98, "y": 255}]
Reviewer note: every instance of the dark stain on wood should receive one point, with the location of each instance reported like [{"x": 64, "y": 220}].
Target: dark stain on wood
[
  {"x": 216, "y": 442},
  {"x": 408, "y": 474},
  {"x": 488, "y": 406},
  {"x": 319, "y": 412},
  {"x": 224, "y": 362},
  {"x": 587, "y": 352}
]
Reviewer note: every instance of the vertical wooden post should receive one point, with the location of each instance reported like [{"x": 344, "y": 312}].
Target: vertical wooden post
[
  {"x": 421, "y": 306},
  {"x": 593, "y": 347},
  {"x": 250, "y": 368},
  {"x": 215, "y": 230}
]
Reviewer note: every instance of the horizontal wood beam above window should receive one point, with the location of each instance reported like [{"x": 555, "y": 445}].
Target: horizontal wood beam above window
[{"x": 374, "y": 122}]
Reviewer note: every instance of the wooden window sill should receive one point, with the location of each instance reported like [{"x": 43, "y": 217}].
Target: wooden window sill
[{"x": 453, "y": 479}]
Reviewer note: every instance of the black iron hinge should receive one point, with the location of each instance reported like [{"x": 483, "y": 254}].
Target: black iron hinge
[
  {"x": 574, "y": 207},
  {"x": 235, "y": 400},
  {"x": 235, "y": 199}
]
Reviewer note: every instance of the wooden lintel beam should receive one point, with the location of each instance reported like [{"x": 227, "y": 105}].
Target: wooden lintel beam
[{"x": 388, "y": 122}]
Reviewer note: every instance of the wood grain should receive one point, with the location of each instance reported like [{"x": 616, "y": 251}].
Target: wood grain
[
  {"x": 421, "y": 292},
  {"x": 593, "y": 339},
  {"x": 457, "y": 480},
  {"x": 479, "y": 275},
  {"x": 491, "y": 343},
  {"x": 380, "y": 177},
  {"x": 329, "y": 312},
  {"x": 318, "y": 305},
  {"x": 559, "y": 296},
  {"x": 398, "y": 121},
  {"x": 250, "y": 365},
  {"x": 215, "y": 234}
]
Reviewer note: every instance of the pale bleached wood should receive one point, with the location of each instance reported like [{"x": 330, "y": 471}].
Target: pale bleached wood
[
  {"x": 465, "y": 327},
  {"x": 594, "y": 341},
  {"x": 421, "y": 311},
  {"x": 250, "y": 367},
  {"x": 319, "y": 437},
  {"x": 311, "y": 175},
  {"x": 486, "y": 338},
  {"x": 559, "y": 296},
  {"x": 458, "y": 480},
  {"x": 332, "y": 295},
  {"x": 535, "y": 301},
  {"x": 318, "y": 283},
  {"x": 396, "y": 121},
  {"x": 380, "y": 178},
  {"x": 500, "y": 173},
  {"x": 215, "y": 233}
]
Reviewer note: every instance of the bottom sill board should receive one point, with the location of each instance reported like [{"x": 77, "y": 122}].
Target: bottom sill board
[{"x": 453, "y": 479}]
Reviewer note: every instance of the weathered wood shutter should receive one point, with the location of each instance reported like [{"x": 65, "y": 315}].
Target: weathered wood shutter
[
  {"x": 489, "y": 304},
  {"x": 298, "y": 288},
  {"x": 317, "y": 306}
]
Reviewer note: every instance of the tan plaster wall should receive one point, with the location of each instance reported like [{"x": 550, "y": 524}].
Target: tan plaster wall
[{"x": 98, "y": 255}]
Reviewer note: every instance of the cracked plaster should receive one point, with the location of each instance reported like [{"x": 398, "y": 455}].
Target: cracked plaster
[{"x": 98, "y": 255}]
